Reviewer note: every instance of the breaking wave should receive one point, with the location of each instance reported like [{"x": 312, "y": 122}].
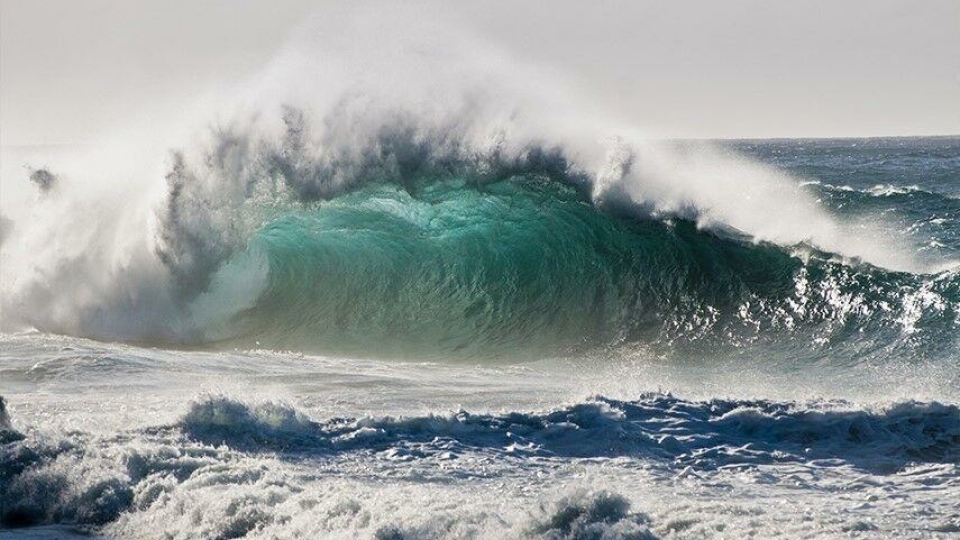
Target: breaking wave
[
  {"x": 457, "y": 218},
  {"x": 415, "y": 243}
]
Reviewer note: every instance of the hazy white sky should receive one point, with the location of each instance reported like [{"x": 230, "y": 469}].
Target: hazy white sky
[{"x": 699, "y": 68}]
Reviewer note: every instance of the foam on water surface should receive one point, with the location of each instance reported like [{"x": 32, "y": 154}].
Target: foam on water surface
[{"x": 288, "y": 446}]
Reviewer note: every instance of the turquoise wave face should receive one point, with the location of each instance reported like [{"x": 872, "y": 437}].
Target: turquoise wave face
[{"x": 528, "y": 267}]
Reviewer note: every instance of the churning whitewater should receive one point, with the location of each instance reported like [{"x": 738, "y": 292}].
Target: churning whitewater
[{"x": 444, "y": 302}]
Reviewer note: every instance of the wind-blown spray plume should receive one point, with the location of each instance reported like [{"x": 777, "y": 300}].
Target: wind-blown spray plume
[{"x": 439, "y": 200}]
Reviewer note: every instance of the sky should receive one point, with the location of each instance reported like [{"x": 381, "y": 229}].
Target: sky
[{"x": 71, "y": 69}]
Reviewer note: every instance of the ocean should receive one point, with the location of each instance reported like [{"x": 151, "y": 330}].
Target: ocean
[{"x": 412, "y": 335}]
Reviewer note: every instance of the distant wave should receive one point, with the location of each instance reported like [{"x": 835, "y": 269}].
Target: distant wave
[
  {"x": 886, "y": 190},
  {"x": 705, "y": 434}
]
